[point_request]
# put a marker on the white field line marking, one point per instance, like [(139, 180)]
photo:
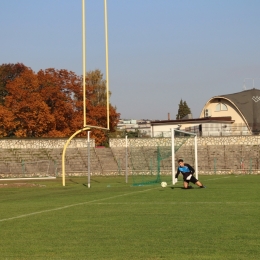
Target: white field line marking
[(83, 203), (218, 178), (180, 182), (72, 205), (181, 202), (26, 179), (212, 179)]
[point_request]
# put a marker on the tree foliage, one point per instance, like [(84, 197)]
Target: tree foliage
[(183, 110), (8, 72), (50, 103)]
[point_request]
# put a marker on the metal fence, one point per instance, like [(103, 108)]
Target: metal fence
[(216, 129)]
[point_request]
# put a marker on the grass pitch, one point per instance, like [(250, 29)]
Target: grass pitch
[(114, 220)]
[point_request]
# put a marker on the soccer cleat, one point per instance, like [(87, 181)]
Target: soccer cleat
[(202, 186)]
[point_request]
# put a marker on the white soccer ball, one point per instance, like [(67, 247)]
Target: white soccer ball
[(164, 184)]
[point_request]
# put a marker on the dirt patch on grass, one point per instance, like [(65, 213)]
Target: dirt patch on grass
[(19, 185)]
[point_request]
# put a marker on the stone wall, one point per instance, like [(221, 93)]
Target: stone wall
[(209, 140), (216, 155), (51, 143), (6, 143)]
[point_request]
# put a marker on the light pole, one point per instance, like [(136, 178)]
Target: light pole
[(253, 80)]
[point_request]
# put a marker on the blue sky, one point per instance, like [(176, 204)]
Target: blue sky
[(159, 50)]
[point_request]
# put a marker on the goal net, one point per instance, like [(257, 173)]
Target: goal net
[(184, 146), (145, 165), (154, 164), (30, 169)]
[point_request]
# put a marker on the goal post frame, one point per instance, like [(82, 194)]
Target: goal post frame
[(85, 126), (173, 130), (84, 66)]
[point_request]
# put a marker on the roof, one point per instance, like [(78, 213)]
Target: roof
[(195, 120), (248, 102)]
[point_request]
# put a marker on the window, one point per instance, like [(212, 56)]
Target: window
[(221, 107)]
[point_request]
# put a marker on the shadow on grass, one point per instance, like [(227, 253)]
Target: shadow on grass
[(73, 181), (182, 188)]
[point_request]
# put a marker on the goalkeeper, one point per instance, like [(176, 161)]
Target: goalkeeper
[(187, 172)]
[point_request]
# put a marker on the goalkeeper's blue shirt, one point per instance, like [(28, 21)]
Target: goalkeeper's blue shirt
[(186, 170)]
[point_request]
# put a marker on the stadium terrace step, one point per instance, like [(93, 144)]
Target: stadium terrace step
[(211, 158), (107, 159)]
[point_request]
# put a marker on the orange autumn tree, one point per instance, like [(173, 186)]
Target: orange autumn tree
[(32, 117), (7, 122), (96, 108), (58, 89), (49, 104), (8, 72), (63, 93)]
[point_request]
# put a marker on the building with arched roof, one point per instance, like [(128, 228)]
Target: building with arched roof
[(223, 115), (243, 107)]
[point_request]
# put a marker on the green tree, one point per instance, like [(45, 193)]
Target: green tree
[(133, 134), (183, 110)]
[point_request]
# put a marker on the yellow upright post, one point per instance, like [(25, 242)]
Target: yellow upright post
[(84, 62), (85, 126), (107, 72), (64, 152)]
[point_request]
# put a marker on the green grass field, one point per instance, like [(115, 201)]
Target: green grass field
[(114, 220)]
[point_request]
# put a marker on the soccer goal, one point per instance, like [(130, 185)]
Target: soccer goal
[(30, 169), (154, 163), (184, 146)]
